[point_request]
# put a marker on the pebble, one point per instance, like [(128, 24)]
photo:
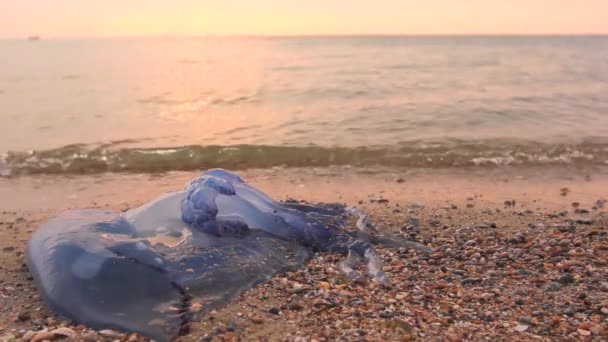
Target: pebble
[(109, 333), (583, 332), (604, 286), (566, 279), (468, 281), (257, 320), (43, 336), (28, 335), (417, 205), (89, 337), (324, 285), (66, 332), (24, 316), (553, 287), (521, 328), (7, 338), (510, 203)]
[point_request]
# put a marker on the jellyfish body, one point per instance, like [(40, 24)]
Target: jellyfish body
[(156, 268)]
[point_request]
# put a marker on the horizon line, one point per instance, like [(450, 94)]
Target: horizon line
[(321, 35)]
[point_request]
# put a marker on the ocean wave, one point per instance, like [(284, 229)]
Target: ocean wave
[(82, 159)]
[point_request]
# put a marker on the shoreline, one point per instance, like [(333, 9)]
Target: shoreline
[(507, 284), (315, 184)]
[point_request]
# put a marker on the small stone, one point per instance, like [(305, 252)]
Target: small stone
[(324, 285), (417, 205), (24, 316), (257, 320), (7, 338), (521, 328), (566, 279), (604, 286), (526, 320), (109, 333), (295, 307), (399, 180), (275, 311), (604, 311), (553, 287), (469, 281), (583, 332), (28, 336), (43, 336), (65, 332), (523, 272)]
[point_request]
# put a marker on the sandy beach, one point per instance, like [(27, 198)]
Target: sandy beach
[(518, 254), (435, 171)]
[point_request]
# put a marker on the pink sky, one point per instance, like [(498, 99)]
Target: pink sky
[(94, 18)]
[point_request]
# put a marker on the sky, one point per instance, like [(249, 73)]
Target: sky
[(110, 18)]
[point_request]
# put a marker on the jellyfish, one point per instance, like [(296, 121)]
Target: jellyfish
[(157, 268)]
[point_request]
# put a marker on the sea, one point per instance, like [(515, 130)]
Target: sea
[(186, 103)]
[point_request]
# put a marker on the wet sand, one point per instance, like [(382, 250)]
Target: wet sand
[(519, 254)]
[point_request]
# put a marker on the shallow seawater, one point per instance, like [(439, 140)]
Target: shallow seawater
[(201, 95)]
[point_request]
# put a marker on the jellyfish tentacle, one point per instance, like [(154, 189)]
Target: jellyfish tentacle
[(347, 266), (362, 251), (374, 266)]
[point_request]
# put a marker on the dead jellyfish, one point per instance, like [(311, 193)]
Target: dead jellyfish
[(156, 268)]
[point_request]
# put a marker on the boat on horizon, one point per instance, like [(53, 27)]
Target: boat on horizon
[(33, 38)]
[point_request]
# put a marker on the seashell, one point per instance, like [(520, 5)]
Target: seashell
[(43, 335), (63, 331)]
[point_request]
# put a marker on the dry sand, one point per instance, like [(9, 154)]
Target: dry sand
[(533, 270)]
